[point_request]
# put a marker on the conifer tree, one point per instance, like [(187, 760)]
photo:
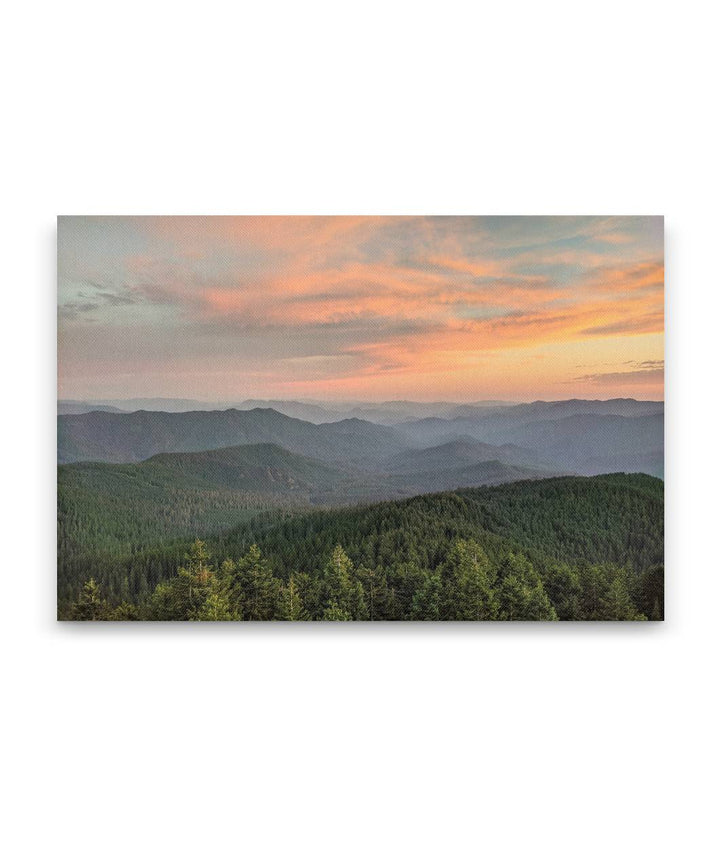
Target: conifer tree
[(192, 584), (229, 584), (374, 583), (162, 605), (337, 576), (616, 603), (407, 578), (593, 586), (521, 596), (562, 584), (292, 608), (471, 571), (342, 588), (260, 590), (182, 597), (334, 612), (426, 602), (125, 612), (215, 608), (90, 605), (649, 592)]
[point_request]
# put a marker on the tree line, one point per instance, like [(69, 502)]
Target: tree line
[(466, 586), (590, 541)]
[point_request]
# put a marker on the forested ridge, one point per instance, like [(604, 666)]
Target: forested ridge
[(398, 506), (564, 548)]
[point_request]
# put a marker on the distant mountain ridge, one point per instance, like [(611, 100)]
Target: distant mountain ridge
[(259, 468), (128, 437), (266, 468), (72, 408), (585, 437), (459, 452), (383, 413), (588, 438)]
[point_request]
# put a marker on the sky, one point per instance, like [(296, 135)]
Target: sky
[(360, 308)]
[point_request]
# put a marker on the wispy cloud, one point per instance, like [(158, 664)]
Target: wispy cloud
[(404, 297), (643, 372)]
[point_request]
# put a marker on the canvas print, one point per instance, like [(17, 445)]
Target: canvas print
[(360, 418)]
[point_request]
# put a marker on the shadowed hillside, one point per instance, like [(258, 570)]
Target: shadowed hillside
[(568, 548), (128, 437)]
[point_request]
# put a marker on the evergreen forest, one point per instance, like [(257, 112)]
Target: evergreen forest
[(178, 549)]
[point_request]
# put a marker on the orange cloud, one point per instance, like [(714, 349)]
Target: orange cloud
[(400, 298)]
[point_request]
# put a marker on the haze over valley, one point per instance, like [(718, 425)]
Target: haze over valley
[(575, 436)]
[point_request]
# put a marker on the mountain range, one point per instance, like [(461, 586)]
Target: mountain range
[(382, 413), (585, 437), (129, 437), (135, 487)]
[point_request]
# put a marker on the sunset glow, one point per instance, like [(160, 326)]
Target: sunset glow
[(372, 308)]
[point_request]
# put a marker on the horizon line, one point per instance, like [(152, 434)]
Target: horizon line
[(344, 401)]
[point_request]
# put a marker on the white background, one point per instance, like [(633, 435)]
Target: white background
[(345, 739)]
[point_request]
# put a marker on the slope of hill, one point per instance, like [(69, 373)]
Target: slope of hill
[(596, 545), (259, 468), (73, 408), (461, 452), (129, 437), (491, 472), (587, 443), (572, 548), (108, 512), (590, 444), (614, 518), (121, 506), (296, 409), (180, 493)]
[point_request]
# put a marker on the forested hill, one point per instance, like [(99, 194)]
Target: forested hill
[(106, 511), (568, 548), (129, 437), (615, 518)]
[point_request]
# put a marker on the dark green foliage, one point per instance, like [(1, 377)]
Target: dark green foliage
[(125, 612), (255, 588), (521, 595), (128, 525), (467, 592), (426, 600), (291, 608), (566, 548), (111, 514), (649, 592), (216, 607), (605, 594), (334, 612), (341, 589), (184, 596), (90, 605), (616, 604)]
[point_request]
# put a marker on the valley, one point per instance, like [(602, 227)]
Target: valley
[(137, 489)]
